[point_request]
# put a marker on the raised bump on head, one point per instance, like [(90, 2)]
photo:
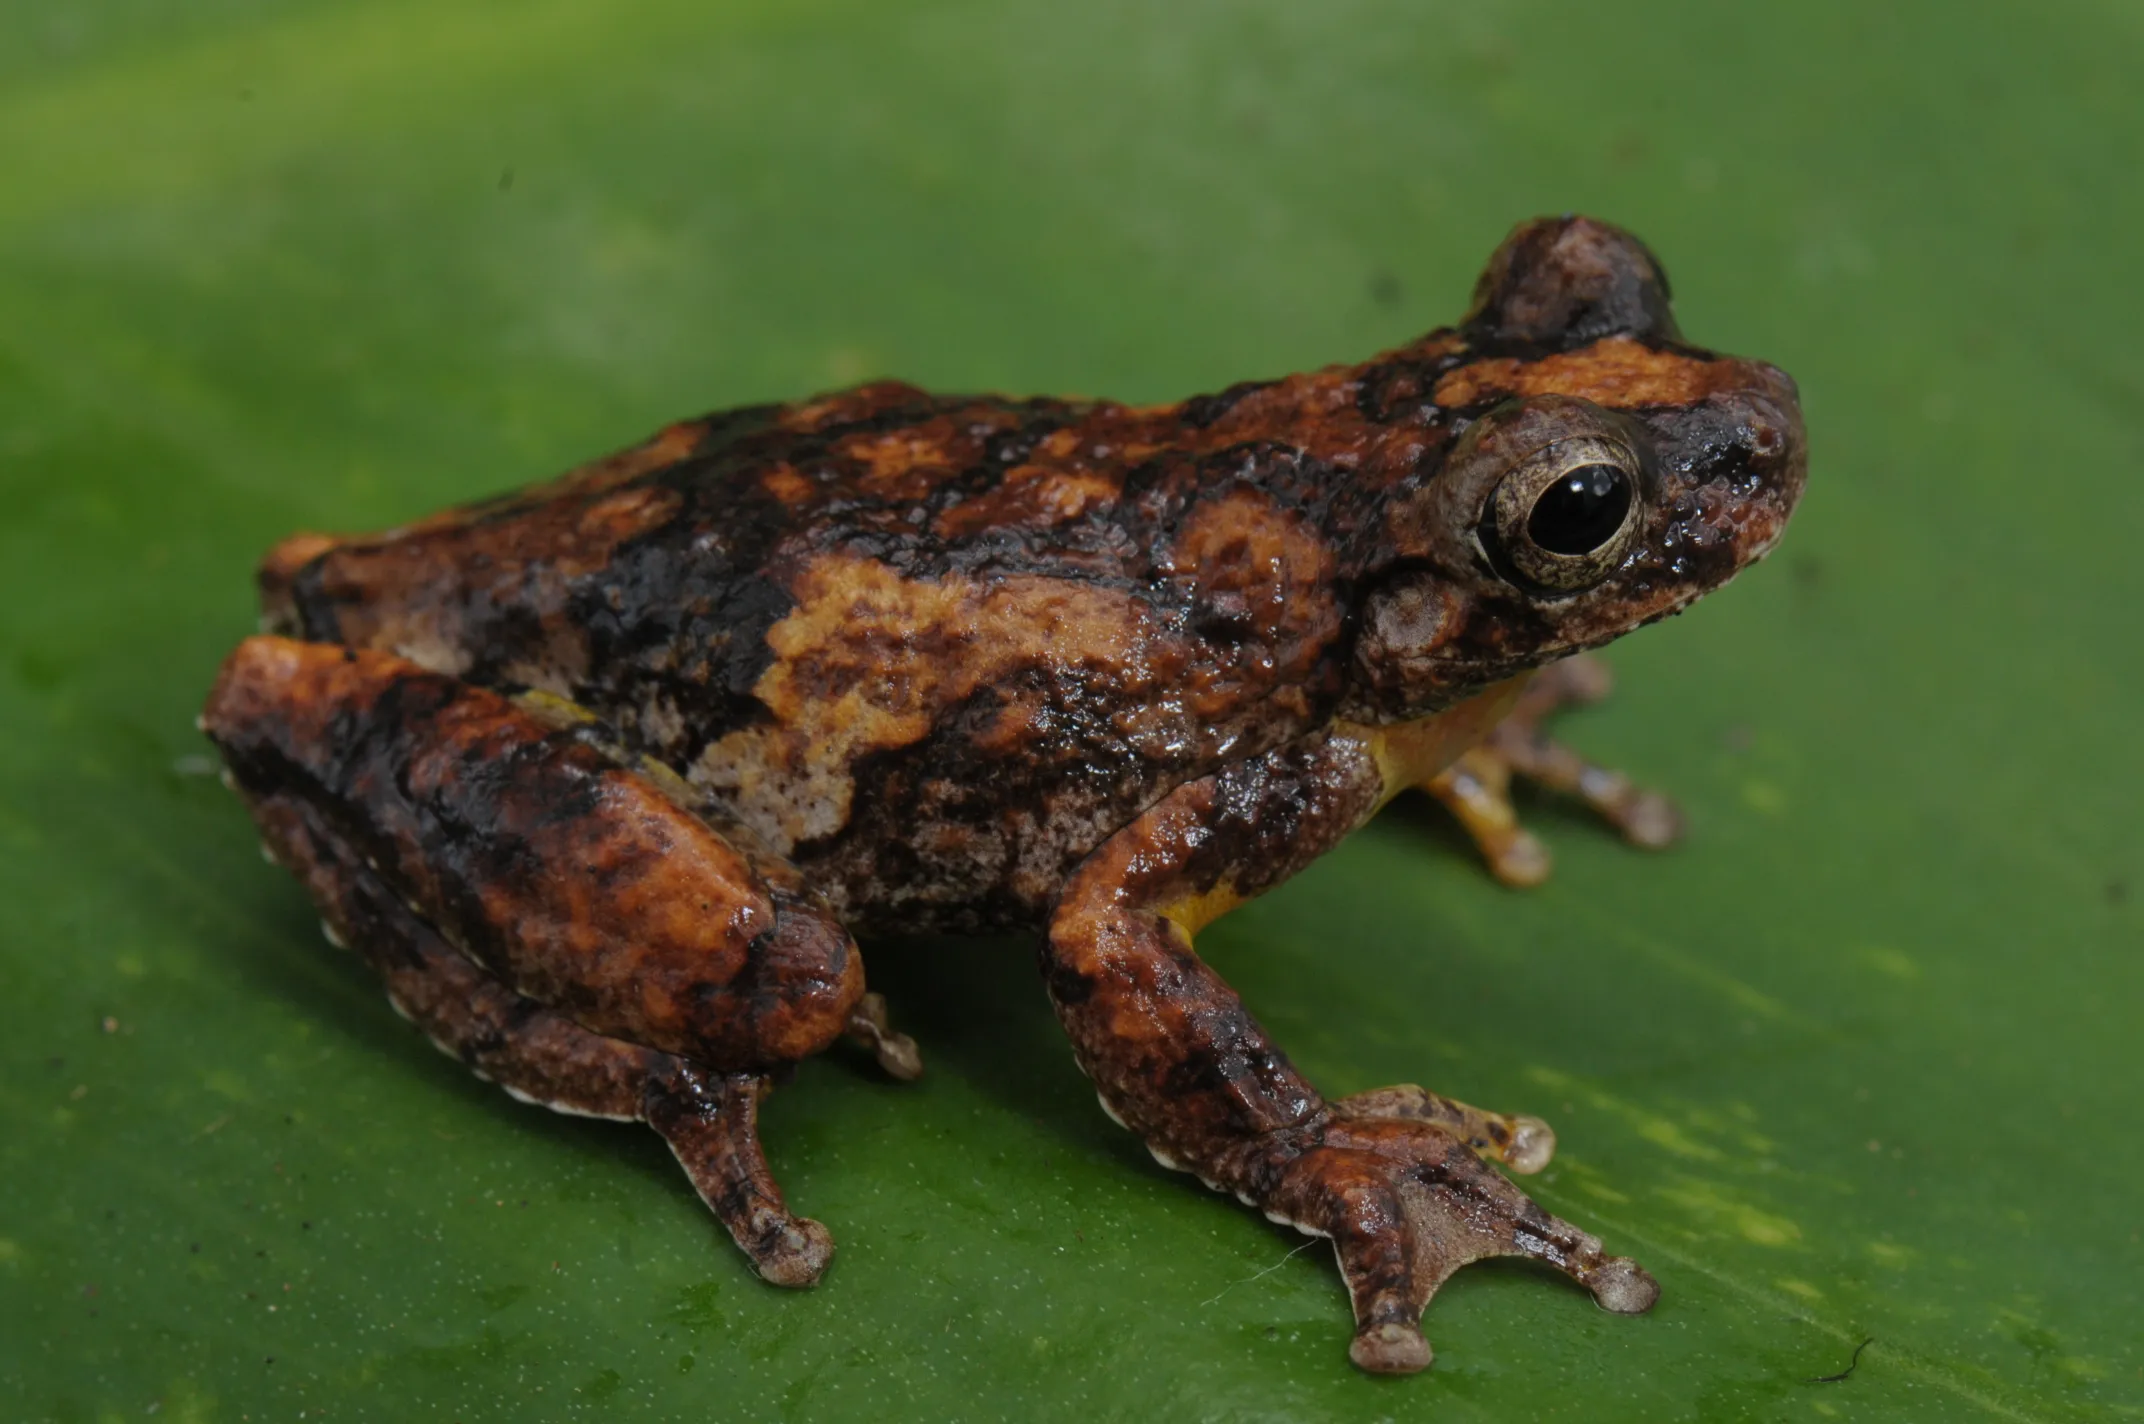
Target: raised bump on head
[(1570, 281)]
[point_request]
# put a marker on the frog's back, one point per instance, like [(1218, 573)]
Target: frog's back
[(928, 646)]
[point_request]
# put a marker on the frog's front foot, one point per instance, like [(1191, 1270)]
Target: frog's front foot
[(1477, 786), (1406, 1202)]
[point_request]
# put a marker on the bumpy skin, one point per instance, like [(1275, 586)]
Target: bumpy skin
[(633, 748)]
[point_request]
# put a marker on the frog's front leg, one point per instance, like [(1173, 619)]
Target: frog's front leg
[(561, 923), (1476, 786), (1392, 1177)]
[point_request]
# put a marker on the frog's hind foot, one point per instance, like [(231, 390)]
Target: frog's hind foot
[(869, 1028), (1476, 787), (1407, 1202), (710, 1120)]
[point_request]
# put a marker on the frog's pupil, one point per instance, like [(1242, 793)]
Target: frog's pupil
[(1581, 510)]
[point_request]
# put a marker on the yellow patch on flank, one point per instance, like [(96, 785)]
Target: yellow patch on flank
[(1411, 753), (1194, 912), (1797, 1287)]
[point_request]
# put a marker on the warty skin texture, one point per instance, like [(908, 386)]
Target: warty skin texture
[(885, 660)]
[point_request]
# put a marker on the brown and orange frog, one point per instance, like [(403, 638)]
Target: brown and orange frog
[(602, 776)]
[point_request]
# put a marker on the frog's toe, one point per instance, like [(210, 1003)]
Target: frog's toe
[(869, 1027), (1533, 1143), (1519, 1141), (1517, 859), (1648, 819), (711, 1121), (1623, 1286), (1518, 747), (1476, 789), (1407, 1203), (795, 1253), (1391, 1349)]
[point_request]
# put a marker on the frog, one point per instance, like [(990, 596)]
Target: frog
[(606, 777)]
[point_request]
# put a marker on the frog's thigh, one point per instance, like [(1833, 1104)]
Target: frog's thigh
[(708, 1119), (575, 881)]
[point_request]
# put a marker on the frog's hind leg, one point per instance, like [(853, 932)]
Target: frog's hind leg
[(708, 1119), (1476, 787), (711, 1121), (557, 921)]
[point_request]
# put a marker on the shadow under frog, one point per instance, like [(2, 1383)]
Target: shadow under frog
[(602, 776)]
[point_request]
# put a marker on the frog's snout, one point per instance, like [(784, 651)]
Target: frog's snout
[(1776, 461), (1754, 468)]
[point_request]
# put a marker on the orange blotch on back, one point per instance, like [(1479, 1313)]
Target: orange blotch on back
[(786, 485), (1615, 372), (869, 661), (1254, 560), (1031, 496)]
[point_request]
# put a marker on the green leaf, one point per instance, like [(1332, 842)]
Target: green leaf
[(1860, 1061)]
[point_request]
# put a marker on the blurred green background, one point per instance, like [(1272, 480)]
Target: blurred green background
[(1861, 1060)]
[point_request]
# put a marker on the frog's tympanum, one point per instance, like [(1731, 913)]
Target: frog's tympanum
[(602, 776)]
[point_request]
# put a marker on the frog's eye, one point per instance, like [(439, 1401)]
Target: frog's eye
[(1565, 516)]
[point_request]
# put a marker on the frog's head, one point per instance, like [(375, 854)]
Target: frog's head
[(1603, 474)]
